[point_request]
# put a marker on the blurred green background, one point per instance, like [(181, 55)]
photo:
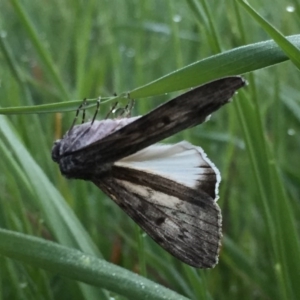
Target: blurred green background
[(60, 51)]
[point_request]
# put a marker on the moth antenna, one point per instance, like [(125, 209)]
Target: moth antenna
[(77, 113), (97, 110), (112, 110)]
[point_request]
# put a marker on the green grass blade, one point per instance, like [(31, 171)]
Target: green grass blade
[(36, 41), (287, 47), (77, 265), (275, 204), (56, 51), (61, 219), (232, 62)]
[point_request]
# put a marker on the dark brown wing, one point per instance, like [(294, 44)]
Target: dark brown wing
[(187, 110), (184, 221)]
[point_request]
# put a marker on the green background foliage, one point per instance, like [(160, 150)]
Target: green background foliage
[(66, 239)]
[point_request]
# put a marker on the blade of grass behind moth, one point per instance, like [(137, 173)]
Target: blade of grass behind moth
[(260, 167), (82, 44), (197, 281), (282, 234), (287, 47), (141, 249), (39, 47), (203, 14), (240, 263), (59, 217)]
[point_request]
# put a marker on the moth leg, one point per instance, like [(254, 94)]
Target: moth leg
[(84, 102), (125, 112), (119, 112), (112, 110), (128, 108), (97, 110)]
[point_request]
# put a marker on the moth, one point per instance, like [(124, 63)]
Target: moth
[(170, 191)]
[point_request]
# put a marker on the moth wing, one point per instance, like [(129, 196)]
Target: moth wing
[(187, 110), (175, 206), (183, 163)]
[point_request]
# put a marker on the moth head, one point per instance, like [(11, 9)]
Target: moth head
[(55, 152), (76, 138)]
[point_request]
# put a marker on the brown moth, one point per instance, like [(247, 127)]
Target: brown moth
[(168, 190)]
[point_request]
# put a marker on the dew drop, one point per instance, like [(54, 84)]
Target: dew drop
[(23, 285), (3, 34), (290, 8), (177, 18), (291, 131), (130, 52)]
